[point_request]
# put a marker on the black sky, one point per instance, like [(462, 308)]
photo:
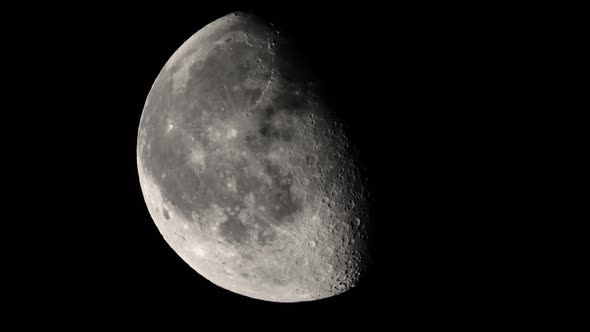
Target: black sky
[(472, 123)]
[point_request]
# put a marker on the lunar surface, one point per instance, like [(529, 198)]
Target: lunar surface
[(247, 173)]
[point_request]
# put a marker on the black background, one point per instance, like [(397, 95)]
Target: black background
[(472, 123)]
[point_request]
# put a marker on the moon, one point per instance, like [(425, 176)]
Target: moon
[(245, 170)]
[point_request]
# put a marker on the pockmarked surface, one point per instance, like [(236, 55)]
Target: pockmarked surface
[(246, 172)]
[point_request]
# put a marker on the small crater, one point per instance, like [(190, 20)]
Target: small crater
[(345, 240), (357, 222), (165, 213), (331, 204), (311, 160), (351, 205)]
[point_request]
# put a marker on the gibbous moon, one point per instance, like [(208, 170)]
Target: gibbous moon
[(247, 172)]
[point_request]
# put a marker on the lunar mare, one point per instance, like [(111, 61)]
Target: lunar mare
[(246, 172)]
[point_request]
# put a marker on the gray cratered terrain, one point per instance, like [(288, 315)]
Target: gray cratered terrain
[(246, 172)]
